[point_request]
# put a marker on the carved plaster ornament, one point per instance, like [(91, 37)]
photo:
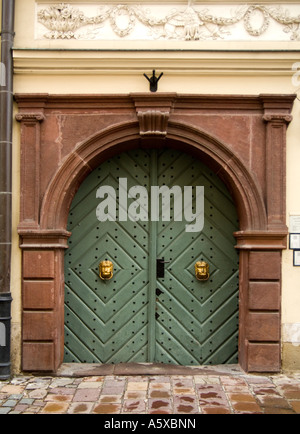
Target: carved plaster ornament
[(191, 23)]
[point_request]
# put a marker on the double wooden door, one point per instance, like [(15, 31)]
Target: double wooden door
[(153, 309)]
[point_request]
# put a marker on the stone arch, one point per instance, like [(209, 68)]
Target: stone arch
[(153, 120), (89, 154)]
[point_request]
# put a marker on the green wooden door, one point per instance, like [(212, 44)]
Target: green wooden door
[(141, 315)]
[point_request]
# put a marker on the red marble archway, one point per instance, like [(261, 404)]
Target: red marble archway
[(237, 136), (88, 155)]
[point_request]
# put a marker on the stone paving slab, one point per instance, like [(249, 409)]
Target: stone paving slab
[(89, 369), (225, 390)]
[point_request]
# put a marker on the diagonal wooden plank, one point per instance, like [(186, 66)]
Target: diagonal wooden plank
[(212, 302), (112, 315), (191, 313), (169, 347)]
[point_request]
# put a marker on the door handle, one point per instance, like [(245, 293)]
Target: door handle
[(106, 269), (160, 267), (202, 270)]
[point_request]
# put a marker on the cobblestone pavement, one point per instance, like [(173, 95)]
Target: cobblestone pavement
[(207, 393)]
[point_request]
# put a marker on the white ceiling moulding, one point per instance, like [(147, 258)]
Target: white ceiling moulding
[(187, 21)]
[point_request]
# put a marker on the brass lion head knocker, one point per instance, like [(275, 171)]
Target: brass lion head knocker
[(106, 269), (202, 270)]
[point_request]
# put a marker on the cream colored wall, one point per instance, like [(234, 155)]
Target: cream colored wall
[(291, 275), (16, 257), (260, 70)]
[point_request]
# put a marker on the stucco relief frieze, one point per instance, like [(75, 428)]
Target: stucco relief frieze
[(162, 21)]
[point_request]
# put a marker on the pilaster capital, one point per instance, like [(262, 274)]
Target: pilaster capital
[(30, 117), (262, 240), (43, 238), (277, 118)]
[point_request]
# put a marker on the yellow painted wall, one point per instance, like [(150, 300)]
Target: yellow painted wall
[(261, 70)]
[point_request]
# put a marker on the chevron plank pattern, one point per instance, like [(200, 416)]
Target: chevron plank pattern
[(108, 322), (198, 321)]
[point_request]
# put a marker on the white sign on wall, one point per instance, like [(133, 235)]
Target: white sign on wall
[(295, 224), (295, 238), (295, 241), (296, 258)]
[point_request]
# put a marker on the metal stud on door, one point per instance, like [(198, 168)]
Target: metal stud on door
[(153, 307)]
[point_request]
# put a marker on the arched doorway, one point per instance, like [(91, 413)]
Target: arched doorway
[(238, 137), (153, 213)]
